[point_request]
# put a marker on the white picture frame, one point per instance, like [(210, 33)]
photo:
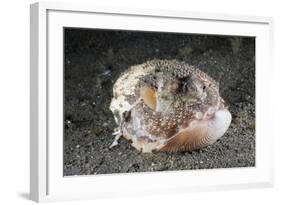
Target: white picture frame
[(46, 178)]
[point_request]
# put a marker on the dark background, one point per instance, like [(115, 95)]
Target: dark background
[(93, 60)]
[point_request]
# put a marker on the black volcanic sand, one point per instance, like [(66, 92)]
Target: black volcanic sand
[(93, 61)]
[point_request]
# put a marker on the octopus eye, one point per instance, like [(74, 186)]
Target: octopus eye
[(185, 87), (149, 97), (204, 87)]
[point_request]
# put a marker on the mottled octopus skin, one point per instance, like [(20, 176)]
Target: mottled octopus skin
[(167, 105)]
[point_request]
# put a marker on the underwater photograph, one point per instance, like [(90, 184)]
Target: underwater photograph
[(138, 101)]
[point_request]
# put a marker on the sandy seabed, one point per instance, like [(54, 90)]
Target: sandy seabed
[(94, 59)]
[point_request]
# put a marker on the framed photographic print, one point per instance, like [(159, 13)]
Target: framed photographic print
[(128, 101)]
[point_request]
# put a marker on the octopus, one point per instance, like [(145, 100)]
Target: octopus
[(168, 105)]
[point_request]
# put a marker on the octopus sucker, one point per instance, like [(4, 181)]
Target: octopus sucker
[(168, 105)]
